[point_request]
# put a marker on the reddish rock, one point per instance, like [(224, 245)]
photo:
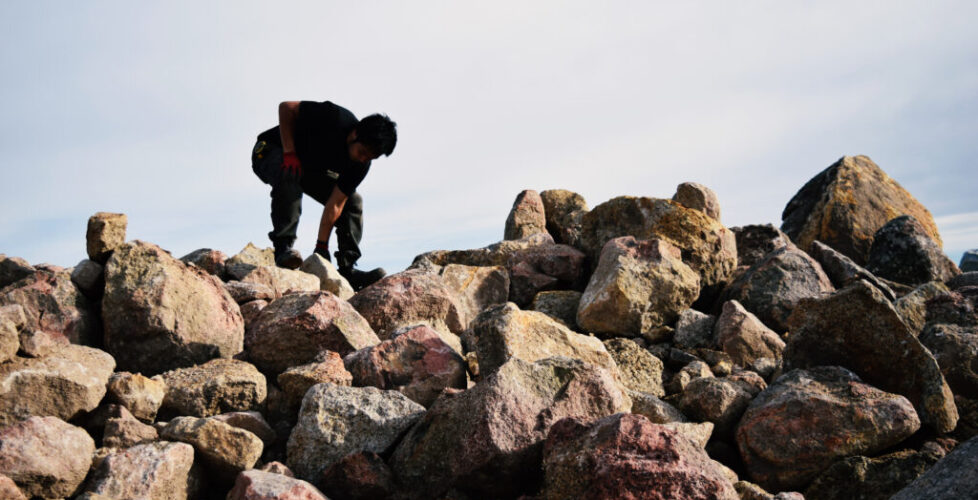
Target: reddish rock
[(544, 267), (955, 307), (292, 330), (281, 281), (407, 299), (207, 259), (807, 419), (417, 363), (243, 292), (251, 310), (260, 485), (698, 197), (126, 432), (526, 217), (54, 308), (744, 337), (9, 489), (359, 476), (859, 329), (45, 456), (845, 204), (106, 232), (160, 313), (486, 441), (772, 287), (627, 456), (160, 470)]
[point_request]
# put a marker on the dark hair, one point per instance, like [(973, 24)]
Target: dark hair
[(378, 133)]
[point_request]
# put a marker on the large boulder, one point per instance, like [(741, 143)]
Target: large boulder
[(956, 349), (868, 478), (336, 421), (505, 332), (487, 441), (951, 477), (807, 419), (259, 485), (476, 288), (698, 197), (526, 217), (53, 308), (859, 329), (744, 337), (773, 286), (154, 471), (106, 232), (755, 241), (903, 251), (627, 456), (223, 449), (215, 387), (63, 384), (292, 330), (416, 363), (637, 287), (707, 247), (45, 456), (407, 299), (160, 313), (694, 329), (845, 204), (563, 210)]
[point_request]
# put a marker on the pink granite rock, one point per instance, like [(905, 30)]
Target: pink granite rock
[(260, 485), (526, 217), (54, 309), (45, 456), (156, 471)]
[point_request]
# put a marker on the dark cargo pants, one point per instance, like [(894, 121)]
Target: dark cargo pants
[(266, 162)]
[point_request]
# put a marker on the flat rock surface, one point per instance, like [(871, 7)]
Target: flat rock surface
[(626, 456), (844, 205), (45, 456), (951, 477), (156, 471), (476, 288), (807, 419), (859, 329), (638, 369), (160, 313), (292, 330), (336, 421)]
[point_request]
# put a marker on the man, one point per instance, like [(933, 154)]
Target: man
[(322, 150)]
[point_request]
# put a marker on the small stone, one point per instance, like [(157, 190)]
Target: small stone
[(106, 232), (126, 432), (756, 241), (207, 259), (260, 485), (89, 277), (654, 409), (913, 306), (277, 468), (563, 210), (140, 395), (716, 400), (359, 476), (281, 281), (223, 449), (476, 288), (694, 329), (327, 368), (698, 197), (243, 293), (251, 310), (253, 256), (692, 371), (697, 432), (251, 421), (330, 279), (526, 217)]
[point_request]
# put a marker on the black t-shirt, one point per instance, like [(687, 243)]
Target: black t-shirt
[(321, 129)]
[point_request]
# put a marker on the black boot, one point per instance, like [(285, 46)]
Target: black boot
[(361, 279), (289, 258)]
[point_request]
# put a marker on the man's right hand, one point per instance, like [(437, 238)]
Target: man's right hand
[(291, 166)]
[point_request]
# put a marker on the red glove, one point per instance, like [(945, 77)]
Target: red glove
[(291, 166)]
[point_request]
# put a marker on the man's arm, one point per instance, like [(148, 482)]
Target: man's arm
[(288, 111), (331, 212)]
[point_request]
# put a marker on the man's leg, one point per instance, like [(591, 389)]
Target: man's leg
[(286, 198), (349, 231)]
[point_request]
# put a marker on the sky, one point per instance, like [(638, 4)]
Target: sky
[(151, 109)]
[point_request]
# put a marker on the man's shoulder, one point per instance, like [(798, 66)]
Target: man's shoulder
[(326, 110)]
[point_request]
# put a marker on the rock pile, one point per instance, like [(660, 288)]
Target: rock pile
[(636, 349)]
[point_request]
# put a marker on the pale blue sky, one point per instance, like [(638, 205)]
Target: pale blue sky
[(151, 109)]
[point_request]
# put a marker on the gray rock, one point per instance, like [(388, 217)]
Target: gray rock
[(563, 210), (692, 371), (89, 277), (13, 269), (962, 280), (638, 286), (336, 421), (694, 329), (251, 421), (969, 261), (161, 314), (526, 217), (951, 477), (215, 387), (904, 252), (716, 400), (868, 478), (45, 456), (755, 241), (655, 409), (156, 471), (63, 384), (773, 286), (842, 271), (560, 305), (837, 414), (330, 279), (698, 197), (955, 348), (106, 232), (859, 329)]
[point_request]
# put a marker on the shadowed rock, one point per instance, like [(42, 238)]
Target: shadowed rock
[(755, 241), (526, 217), (903, 251), (951, 477)]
